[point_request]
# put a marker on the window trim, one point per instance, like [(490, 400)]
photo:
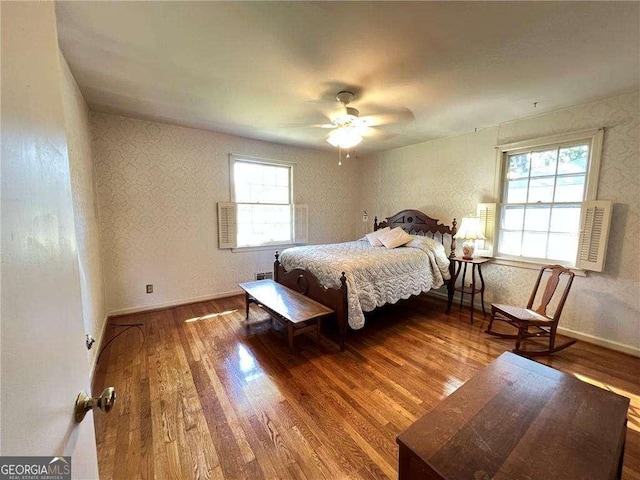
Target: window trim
[(595, 139), (233, 158), (261, 248)]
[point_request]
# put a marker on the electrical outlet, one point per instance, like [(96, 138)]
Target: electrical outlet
[(150, 288)]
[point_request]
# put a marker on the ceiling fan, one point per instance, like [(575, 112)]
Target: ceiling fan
[(349, 128)]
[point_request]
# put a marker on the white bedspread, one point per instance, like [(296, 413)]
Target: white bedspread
[(375, 275)]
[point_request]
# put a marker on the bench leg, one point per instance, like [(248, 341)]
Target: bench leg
[(318, 325), (248, 301), (290, 335)]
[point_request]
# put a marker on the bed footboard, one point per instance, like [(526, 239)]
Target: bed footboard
[(307, 284)]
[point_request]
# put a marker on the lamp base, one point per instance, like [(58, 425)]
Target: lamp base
[(467, 250)]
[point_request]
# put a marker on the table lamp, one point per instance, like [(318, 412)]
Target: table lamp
[(469, 232)]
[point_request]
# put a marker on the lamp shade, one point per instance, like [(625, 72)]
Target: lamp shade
[(344, 137), (470, 229)]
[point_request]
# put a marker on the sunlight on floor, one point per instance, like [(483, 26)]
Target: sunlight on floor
[(451, 385), (248, 365), (633, 416), (210, 316)]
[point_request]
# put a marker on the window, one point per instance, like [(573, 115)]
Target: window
[(543, 189), (262, 193), (262, 211)]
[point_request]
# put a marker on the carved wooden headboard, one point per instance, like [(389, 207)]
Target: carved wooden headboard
[(414, 221)]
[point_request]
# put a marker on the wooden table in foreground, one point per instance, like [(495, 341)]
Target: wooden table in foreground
[(516, 420)]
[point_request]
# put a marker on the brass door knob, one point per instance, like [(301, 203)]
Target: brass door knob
[(104, 402)]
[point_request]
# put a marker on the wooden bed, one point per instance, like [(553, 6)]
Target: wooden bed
[(412, 221)]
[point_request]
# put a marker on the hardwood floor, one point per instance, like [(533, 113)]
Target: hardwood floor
[(202, 398)]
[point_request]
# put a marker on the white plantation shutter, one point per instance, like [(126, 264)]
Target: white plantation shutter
[(487, 214), (300, 224), (227, 225), (594, 235)]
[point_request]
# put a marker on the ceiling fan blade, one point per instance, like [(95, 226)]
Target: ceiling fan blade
[(309, 120), (329, 109), (333, 110), (306, 125), (401, 115)]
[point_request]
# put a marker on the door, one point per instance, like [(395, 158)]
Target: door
[(43, 359)]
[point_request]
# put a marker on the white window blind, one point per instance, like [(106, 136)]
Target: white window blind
[(486, 212), (226, 225), (301, 224), (594, 232)]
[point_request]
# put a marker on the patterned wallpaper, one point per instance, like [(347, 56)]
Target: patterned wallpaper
[(157, 189), (447, 178), (76, 116)]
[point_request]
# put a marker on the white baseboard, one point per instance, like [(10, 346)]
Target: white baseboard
[(611, 345), (174, 303)]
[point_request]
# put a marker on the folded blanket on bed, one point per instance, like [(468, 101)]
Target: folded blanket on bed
[(375, 275)]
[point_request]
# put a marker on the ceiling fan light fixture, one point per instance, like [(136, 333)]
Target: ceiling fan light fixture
[(344, 137)]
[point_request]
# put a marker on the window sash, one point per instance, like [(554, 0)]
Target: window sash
[(276, 183), (255, 233), (546, 233), (250, 231)]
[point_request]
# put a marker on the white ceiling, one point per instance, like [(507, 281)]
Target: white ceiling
[(262, 69)]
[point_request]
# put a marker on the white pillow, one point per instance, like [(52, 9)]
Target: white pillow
[(395, 238), (423, 242), (374, 237)]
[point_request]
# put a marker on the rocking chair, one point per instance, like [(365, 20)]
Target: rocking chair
[(537, 320)]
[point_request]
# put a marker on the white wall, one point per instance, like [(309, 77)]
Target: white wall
[(447, 178), (76, 116), (157, 189)]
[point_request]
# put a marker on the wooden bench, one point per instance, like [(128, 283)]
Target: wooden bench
[(299, 314)]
